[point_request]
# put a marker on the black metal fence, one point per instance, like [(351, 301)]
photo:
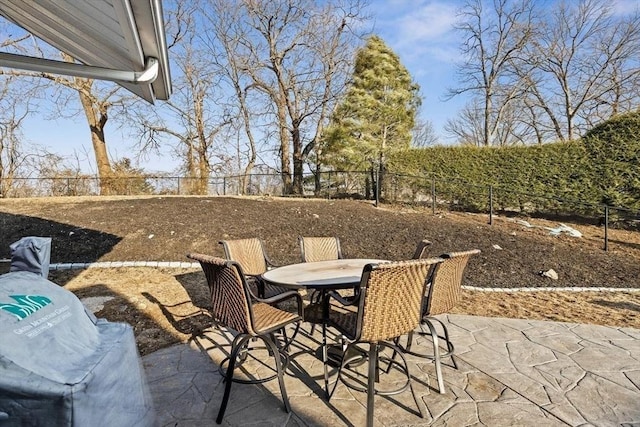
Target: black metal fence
[(430, 192)]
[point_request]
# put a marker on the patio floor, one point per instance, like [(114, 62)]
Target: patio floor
[(510, 372)]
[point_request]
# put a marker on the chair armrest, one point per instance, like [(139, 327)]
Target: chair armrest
[(267, 259), (257, 281), (282, 297), (345, 301)]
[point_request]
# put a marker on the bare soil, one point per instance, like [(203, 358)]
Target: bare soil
[(166, 306)]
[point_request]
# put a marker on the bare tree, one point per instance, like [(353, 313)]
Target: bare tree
[(15, 107), (423, 134), (195, 115), (225, 41), (289, 57), (494, 39), (585, 66), (62, 176), (468, 126), (13, 110), (95, 105), (99, 101)]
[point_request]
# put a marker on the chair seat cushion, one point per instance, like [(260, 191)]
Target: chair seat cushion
[(269, 317)]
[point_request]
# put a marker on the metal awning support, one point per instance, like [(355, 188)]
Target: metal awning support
[(148, 75)]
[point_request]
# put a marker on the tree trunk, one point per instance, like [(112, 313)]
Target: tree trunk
[(192, 174), (105, 173), (297, 160), (486, 136), (97, 117), (317, 182), (374, 184), (203, 178), (244, 182), (203, 161), (382, 168), (284, 148)]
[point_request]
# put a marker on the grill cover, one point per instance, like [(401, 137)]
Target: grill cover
[(59, 365), (31, 254)]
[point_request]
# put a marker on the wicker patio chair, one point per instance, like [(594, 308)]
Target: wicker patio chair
[(389, 305), (443, 293), (314, 249), (319, 248), (253, 259), (232, 306)]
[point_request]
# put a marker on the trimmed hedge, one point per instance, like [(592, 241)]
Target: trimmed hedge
[(614, 148), (575, 177)]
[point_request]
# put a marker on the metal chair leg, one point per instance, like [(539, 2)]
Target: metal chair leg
[(436, 355), (413, 392), (371, 392), (276, 356), (289, 341), (375, 357), (325, 360), (406, 348), (450, 347), (229, 377)]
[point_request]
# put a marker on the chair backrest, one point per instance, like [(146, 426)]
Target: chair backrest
[(422, 249), (391, 298), (230, 301), (446, 283), (319, 248), (249, 253)]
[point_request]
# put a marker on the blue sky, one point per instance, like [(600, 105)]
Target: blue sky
[(419, 31)]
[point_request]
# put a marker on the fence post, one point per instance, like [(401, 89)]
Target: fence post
[(178, 180), (395, 187), (433, 196), (329, 186), (491, 205), (377, 186), (224, 185), (606, 227)]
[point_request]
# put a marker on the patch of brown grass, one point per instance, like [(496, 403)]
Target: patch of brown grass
[(167, 306), (620, 309)]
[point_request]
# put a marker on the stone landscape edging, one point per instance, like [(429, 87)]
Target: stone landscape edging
[(180, 264)]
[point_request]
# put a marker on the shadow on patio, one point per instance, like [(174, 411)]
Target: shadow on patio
[(509, 372)]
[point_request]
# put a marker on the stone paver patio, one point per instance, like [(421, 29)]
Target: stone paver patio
[(510, 372)]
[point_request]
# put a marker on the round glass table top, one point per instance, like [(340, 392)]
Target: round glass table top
[(339, 273)]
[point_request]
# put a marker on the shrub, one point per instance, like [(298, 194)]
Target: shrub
[(613, 148)]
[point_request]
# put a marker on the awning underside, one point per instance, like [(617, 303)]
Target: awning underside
[(117, 40)]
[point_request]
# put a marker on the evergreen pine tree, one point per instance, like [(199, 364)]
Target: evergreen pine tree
[(377, 114)]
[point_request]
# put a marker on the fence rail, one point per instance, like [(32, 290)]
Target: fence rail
[(436, 193)]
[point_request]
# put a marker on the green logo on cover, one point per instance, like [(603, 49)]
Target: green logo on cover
[(25, 305)]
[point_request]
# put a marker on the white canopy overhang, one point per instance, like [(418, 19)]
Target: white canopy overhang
[(117, 40)]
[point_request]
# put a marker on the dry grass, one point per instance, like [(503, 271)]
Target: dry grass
[(165, 306), (600, 308)]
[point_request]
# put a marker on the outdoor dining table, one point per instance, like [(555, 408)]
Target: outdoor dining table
[(322, 276)]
